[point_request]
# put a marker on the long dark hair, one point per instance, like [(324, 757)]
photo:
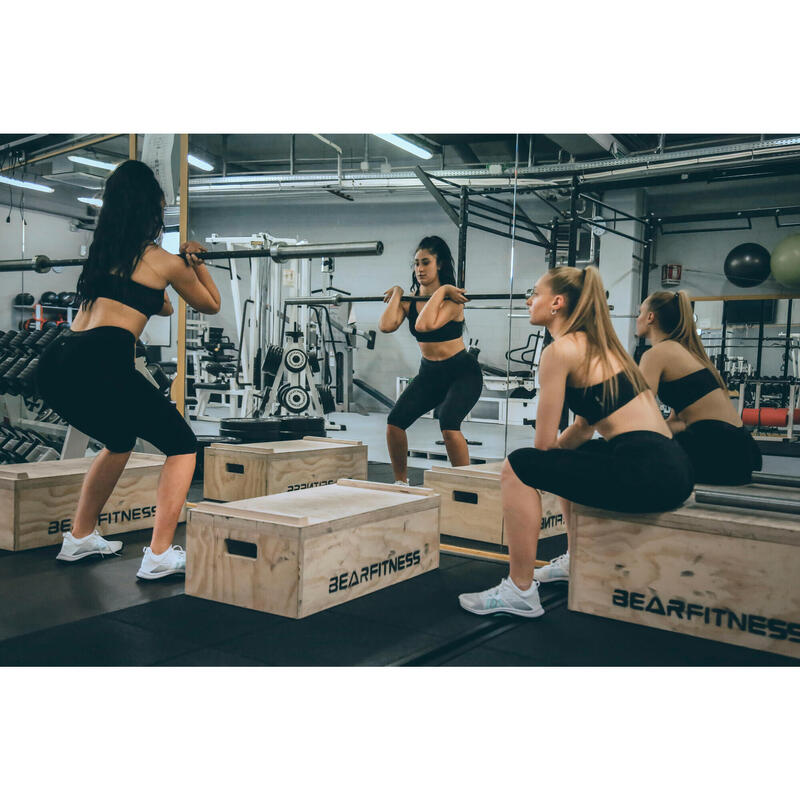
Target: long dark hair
[(444, 261), (130, 220), (675, 316)]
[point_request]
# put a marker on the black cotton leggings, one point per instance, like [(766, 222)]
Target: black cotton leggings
[(89, 378), (454, 385), (635, 472), (721, 454)]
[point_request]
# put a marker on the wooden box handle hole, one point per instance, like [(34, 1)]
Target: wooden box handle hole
[(236, 547), (237, 468), (466, 497)]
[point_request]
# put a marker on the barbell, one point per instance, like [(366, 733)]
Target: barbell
[(277, 252)]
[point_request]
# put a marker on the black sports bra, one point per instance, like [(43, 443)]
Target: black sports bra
[(586, 401), (452, 330), (145, 299), (680, 393)]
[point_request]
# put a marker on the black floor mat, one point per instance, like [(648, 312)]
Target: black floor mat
[(563, 638)]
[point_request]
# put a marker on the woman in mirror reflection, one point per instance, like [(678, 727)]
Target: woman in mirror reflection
[(703, 419), (449, 378)]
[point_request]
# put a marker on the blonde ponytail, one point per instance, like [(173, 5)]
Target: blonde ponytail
[(675, 317), (588, 312)]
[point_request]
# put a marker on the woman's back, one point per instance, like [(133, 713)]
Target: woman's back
[(641, 413), (670, 361)]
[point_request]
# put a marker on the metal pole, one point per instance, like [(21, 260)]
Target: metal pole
[(788, 340), (647, 256), (574, 224), (760, 338), (178, 391), (553, 255), (463, 222)]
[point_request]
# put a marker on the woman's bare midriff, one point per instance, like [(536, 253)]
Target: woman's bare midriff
[(440, 351)]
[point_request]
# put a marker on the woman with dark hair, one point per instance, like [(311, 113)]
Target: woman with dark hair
[(703, 419), (87, 375), (635, 467), (449, 377)]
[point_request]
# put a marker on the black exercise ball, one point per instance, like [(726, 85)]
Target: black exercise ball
[(747, 264)]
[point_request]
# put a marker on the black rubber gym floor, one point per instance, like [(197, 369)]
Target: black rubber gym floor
[(98, 614)]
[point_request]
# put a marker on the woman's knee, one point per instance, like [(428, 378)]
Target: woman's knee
[(452, 435)]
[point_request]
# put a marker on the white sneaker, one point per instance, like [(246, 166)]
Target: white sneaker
[(170, 562), (556, 570), (504, 598), (401, 483), (94, 544)]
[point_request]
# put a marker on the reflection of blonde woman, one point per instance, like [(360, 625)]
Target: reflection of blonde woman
[(635, 467), (703, 419)]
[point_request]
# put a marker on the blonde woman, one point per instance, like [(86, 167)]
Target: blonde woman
[(678, 369), (635, 467)]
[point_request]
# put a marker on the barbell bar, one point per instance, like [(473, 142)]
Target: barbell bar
[(277, 252)]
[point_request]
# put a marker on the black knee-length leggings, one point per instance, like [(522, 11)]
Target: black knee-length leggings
[(454, 385), (89, 378), (721, 454), (635, 472)]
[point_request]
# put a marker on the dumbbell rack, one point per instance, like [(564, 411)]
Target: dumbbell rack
[(71, 310)]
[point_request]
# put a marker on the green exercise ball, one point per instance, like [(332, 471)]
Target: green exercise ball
[(785, 262)]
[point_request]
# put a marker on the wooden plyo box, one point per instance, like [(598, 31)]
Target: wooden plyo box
[(297, 553), (41, 499), (472, 507), (240, 471), (727, 574)]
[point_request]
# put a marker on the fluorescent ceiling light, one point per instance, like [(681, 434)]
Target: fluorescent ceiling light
[(404, 144), (90, 162), (199, 163), (26, 184), (91, 201)]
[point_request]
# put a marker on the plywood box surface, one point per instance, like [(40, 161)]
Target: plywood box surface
[(297, 553), (239, 471), (718, 573), (472, 505), (39, 500)]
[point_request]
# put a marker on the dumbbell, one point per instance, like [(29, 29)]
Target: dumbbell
[(25, 381), (9, 383)]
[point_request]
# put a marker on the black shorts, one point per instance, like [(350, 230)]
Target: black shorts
[(89, 378), (636, 472), (454, 385), (720, 453)]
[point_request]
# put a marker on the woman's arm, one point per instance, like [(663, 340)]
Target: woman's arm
[(553, 372), (438, 311), (392, 318), (675, 423), (575, 435), (190, 278), (651, 367), (166, 309)]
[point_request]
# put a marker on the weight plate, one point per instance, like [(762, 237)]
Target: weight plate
[(272, 360), (295, 359), (296, 399), (326, 398), (236, 425), (302, 423)]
